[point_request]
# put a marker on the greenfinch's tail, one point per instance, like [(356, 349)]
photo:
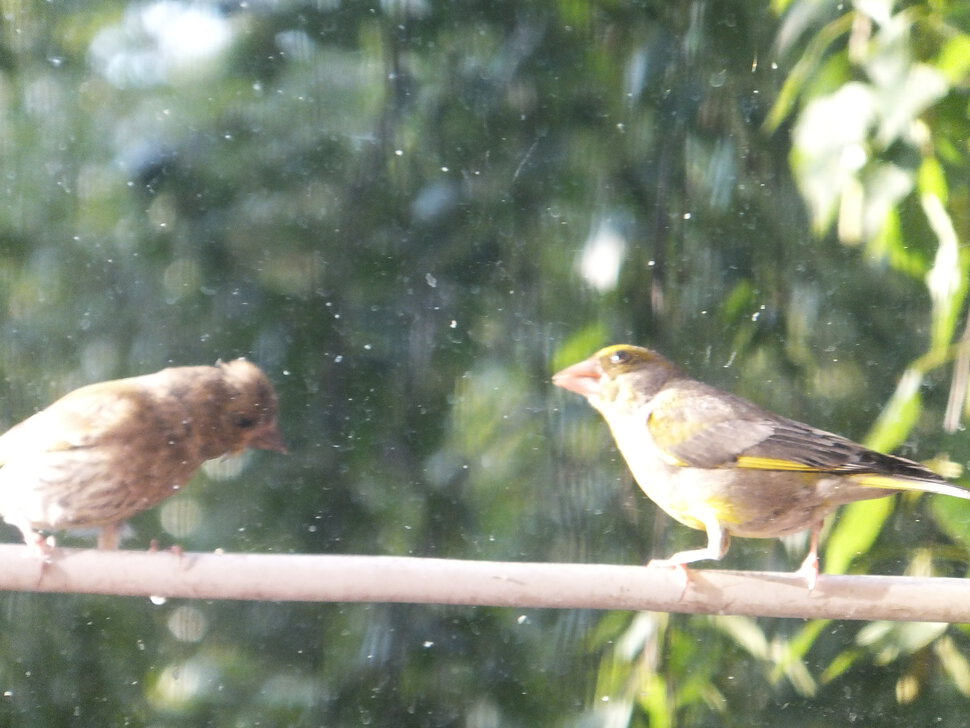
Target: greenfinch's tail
[(872, 480), (908, 476)]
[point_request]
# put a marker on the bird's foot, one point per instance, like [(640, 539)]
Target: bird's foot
[(177, 551), (682, 572), (809, 571), (41, 549), (39, 546)]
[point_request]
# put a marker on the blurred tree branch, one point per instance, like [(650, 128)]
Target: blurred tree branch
[(327, 578)]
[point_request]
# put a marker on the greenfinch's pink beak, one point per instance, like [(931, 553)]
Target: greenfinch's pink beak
[(582, 378)]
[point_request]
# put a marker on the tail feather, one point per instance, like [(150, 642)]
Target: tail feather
[(889, 482)]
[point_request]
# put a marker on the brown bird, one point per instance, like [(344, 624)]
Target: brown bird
[(110, 450)]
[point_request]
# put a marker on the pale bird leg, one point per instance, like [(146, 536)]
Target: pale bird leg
[(109, 536), (809, 568), (718, 542)]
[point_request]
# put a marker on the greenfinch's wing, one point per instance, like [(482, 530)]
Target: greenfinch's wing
[(800, 447), (797, 447), (699, 426), (694, 425)]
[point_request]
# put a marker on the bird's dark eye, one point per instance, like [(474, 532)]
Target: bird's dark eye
[(620, 356), (244, 423)]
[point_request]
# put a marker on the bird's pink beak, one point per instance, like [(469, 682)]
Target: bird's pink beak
[(583, 378)]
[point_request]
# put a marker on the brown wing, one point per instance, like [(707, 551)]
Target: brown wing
[(79, 419)]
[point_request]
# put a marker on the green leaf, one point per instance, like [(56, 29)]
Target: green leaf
[(580, 345), (954, 59), (806, 69), (947, 280), (900, 414), (952, 515), (931, 179), (857, 529), (889, 243)]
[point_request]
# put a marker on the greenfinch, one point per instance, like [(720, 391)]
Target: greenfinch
[(110, 450), (723, 465)]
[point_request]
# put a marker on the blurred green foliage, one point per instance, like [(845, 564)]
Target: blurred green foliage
[(411, 214)]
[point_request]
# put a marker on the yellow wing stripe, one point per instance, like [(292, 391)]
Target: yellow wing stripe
[(871, 480), (755, 463)]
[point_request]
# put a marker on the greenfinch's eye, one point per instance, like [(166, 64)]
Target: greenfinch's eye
[(621, 356)]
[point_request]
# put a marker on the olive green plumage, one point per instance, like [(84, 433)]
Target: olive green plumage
[(721, 464)]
